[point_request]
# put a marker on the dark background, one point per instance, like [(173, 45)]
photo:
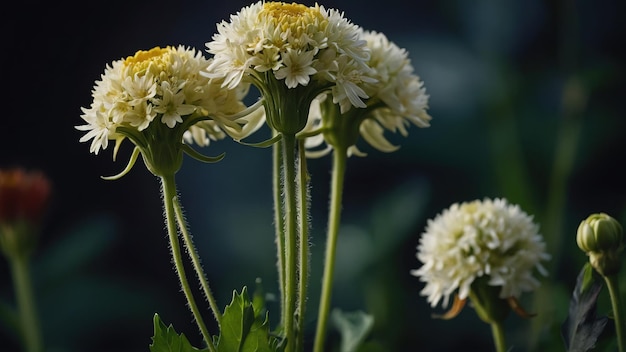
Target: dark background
[(527, 99)]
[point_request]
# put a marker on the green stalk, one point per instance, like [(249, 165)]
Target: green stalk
[(26, 303), (279, 221), (168, 185), (491, 309), (291, 230), (497, 332), (612, 283), (334, 216), (193, 254), (303, 243)]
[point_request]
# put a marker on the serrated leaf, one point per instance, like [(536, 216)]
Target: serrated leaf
[(241, 330), (353, 327), (582, 328), (166, 339)]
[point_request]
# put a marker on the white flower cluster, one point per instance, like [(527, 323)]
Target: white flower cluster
[(481, 238), (162, 85), (266, 44), (294, 43), (397, 98), (397, 86)]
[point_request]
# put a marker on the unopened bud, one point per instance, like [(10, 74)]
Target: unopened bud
[(23, 200), (601, 237)]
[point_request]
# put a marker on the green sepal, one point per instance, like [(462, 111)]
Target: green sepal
[(166, 339), (587, 278), (241, 330), (308, 134), (192, 120), (134, 135), (201, 157), (129, 166), (264, 144)]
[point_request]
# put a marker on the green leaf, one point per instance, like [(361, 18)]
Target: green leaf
[(258, 298), (582, 328), (353, 327), (241, 329), (166, 339)]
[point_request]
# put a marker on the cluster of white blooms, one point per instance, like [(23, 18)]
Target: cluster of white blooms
[(295, 43), (278, 47), (162, 85), (397, 98), (489, 238)]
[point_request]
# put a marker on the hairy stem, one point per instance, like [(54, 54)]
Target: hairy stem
[(279, 222), (168, 185), (334, 216), (291, 230), (303, 243), (193, 254)]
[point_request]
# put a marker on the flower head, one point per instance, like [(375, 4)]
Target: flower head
[(490, 240), (155, 93), (24, 197), (291, 52), (396, 99)]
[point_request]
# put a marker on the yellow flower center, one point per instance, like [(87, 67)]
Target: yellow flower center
[(156, 59), (294, 19)]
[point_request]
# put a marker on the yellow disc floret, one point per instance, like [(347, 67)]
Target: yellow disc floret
[(158, 58), (293, 20)]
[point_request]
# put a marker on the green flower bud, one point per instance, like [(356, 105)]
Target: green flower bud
[(601, 237)]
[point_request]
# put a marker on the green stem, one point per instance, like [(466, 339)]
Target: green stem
[(193, 254), (26, 303), (279, 222), (291, 229), (612, 283), (168, 185), (303, 243), (497, 331), (334, 216)]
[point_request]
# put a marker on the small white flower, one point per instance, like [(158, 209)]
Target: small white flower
[(297, 68), (171, 106), (489, 238), (99, 128), (347, 91), (139, 88)]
